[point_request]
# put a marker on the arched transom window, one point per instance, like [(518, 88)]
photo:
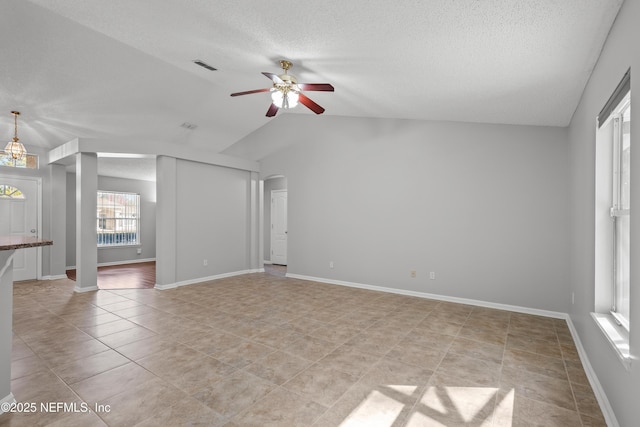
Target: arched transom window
[(9, 192)]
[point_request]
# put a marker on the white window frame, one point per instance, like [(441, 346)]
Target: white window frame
[(608, 156), (618, 211), (132, 224)]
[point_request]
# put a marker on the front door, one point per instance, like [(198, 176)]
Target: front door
[(19, 213), (279, 227)]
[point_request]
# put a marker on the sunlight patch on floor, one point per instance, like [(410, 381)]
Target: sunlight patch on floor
[(438, 406)]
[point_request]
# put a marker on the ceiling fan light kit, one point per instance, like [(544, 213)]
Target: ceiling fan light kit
[(287, 93)]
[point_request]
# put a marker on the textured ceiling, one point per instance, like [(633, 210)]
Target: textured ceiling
[(92, 68)]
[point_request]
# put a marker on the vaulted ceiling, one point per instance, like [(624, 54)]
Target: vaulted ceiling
[(122, 68)]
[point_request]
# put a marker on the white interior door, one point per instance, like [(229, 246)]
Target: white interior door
[(279, 227), (19, 213)]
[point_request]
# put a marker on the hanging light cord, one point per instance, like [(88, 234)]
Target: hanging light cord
[(15, 125)]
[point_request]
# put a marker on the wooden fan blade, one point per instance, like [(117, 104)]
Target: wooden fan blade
[(310, 104), (325, 87), (273, 109), (251, 91), (273, 77)]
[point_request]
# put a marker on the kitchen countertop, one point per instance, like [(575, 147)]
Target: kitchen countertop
[(8, 243)]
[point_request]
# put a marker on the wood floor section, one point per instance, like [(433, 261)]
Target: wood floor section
[(141, 275)]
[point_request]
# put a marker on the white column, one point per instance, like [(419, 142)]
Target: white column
[(58, 222), (6, 310), (254, 223), (166, 222), (86, 234)]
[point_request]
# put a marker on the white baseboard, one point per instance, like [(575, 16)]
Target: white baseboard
[(10, 399), (130, 261), (266, 261), (106, 264), (206, 279), (54, 277), (515, 308), (88, 289), (601, 397)]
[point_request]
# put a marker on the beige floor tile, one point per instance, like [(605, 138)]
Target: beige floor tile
[(310, 348), (533, 345), (392, 372), (27, 366), (235, 393), (81, 369), (371, 405), (593, 421), (441, 326), (418, 355), (278, 337), (206, 373), (278, 367), (475, 372), (62, 354), (281, 408), (349, 360), (31, 387), (454, 406), (215, 341), (140, 402), (244, 354), (19, 349), (134, 311), (586, 400), (338, 334), (484, 335), (478, 350), (383, 359), (369, 344), (576, 373), (185, 412), (538, 387), (429, 339), (106, 384), (145, 347), (109, 328), (321, 383), (172, 362), (513, 409), (127, 336), (536, 363)]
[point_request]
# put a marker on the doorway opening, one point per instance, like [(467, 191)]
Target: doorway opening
[(276, 225)]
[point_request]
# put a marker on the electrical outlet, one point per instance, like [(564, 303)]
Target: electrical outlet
[(432, 275), (139, 251), (330, 264), (205, 262), (413, 274)]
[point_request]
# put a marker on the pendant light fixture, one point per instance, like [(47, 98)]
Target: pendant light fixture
[(14, 148)]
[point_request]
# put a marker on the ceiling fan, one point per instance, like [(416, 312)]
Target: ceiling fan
[(287, 92)]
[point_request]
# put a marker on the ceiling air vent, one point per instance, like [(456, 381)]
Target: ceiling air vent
[(188, 125), (204, 65)]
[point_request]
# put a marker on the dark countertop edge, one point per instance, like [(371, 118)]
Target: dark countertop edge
[(22, 245)]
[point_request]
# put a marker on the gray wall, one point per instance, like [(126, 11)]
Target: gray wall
[(147, 191), (482, 206), (212, 218), (620, 52), (270, 185)]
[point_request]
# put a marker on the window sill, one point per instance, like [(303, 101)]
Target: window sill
[(119, 246), (617, 336)]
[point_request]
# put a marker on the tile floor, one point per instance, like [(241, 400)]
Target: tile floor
[(259, 350)]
